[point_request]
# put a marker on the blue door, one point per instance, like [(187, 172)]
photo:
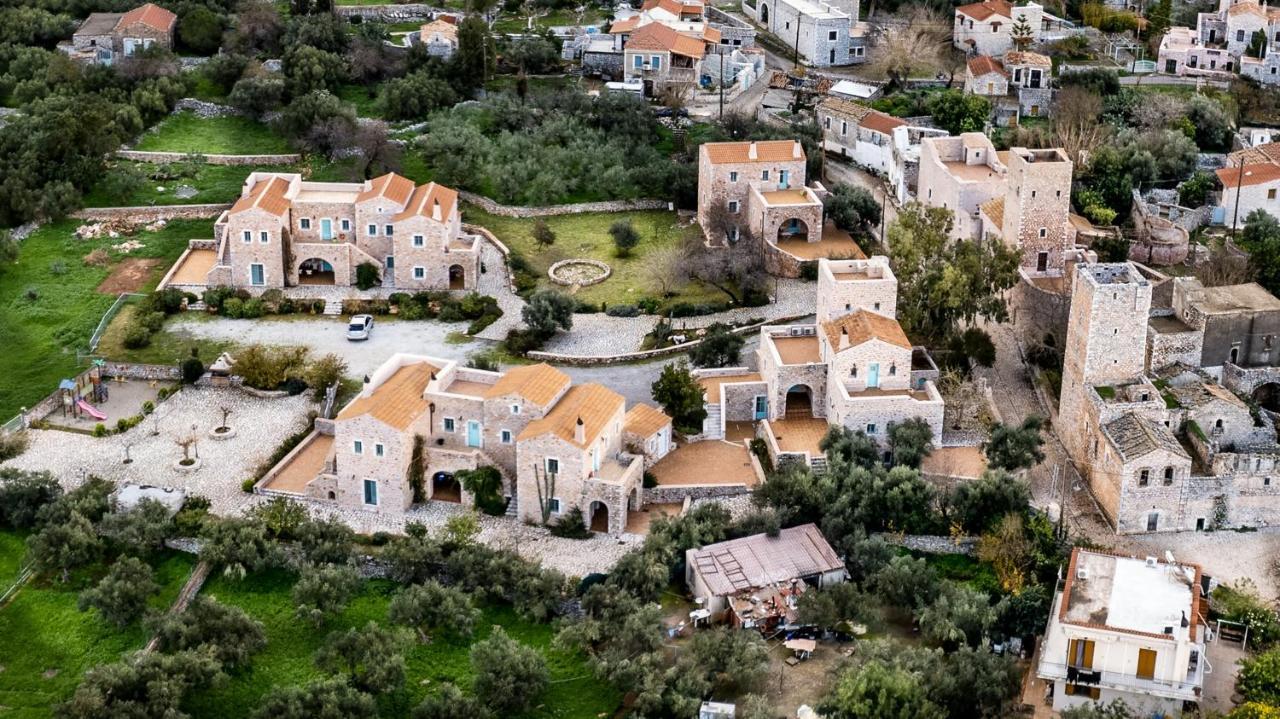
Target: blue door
[(473, 433), (326, 230), (873, 375), (762, 407), (256, 275), (783, 178)]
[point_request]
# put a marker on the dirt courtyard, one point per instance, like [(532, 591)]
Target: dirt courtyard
[(788, 687), (130, 275)]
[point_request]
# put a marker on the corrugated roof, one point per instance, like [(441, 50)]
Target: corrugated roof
[(862, 326), (397, 401), (1255, 174), (267, 195), (425, 199), (1135, 436), (987, 8), (645, 420), (765, 151), (656, 36), (391, 186), (538, 383), (741, 565), (150, 15), (994, 210), (591, 404), (984, 65)]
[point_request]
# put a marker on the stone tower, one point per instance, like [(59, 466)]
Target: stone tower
[(1037, 202), (1106, 341), (846, 286)]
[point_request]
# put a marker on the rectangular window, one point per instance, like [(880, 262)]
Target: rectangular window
[(831, 35), (247, 236), (553, 465), (733, 177), (357, 447), (554, 504), (733, 206), (515, 409), (764, 175), (1144, 478), (370, 492), (418, 241), (639, 62), (826, 123), (378, 450), (389, 230), (655, 61), (1080, 653), (256, 275), (844, 127), (346, 225), (264, 237), (448, 424), (373, 230), (871, 429), (305, 223), (419, 273), (1271, 194), (506, 436)]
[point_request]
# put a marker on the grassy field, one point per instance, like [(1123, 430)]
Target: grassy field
[(214, 183), (12, 549), (49, 643), (291, 645), (49, 303), (166, 347), (185, 132), (587, 235), (358, 95)]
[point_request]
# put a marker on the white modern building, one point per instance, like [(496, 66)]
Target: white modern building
[(824, 33)]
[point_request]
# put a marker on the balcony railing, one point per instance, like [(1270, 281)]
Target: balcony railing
[(1188, 689), (682, 74)]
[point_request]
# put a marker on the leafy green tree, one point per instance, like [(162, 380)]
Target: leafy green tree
[(548, 310), (906, 582), (876, 690), (1024, 614), (415, 96), (200, 29), (1261, 237), (681, 397), (1014, 448), (449, 703), (312, 120), (323, 591), (209, 627), (960, 615), (141, 531), (256, 95), (625, 237), (240, 546), (1211, 121), (1159, 19), (371, 657), (509, 676), (121, 596), (796, 494), (367, 276), (852, 208), (973, 682), (476, 56), (848, 447), (834, 605), (910, 442), (23, 494), (325, 541), (309, 69), (327, 698), (485, 485), (91, 500), (413, 558), (1194, 191), (978, 505), (142, 685), (430, 608), (64, 545), (543, 235), (720, 347), (1021, 33), (879, 499), (1259, 678), (958, 112)]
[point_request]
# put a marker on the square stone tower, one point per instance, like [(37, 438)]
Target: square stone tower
[(1106, 341), (1036, 204), (846, 286)]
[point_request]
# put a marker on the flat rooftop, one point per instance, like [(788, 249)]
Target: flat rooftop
[(1237, 298), (193, 268), (798, 350), (711, 385), (1167, 325), (1115, 273), (466, 387), (799, 434), (972, 173), (338, 196), (708, 462), (789, 197), (304, 466), (835, 244), (1129, 594)]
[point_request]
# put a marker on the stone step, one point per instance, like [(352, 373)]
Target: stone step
[(333, 307)]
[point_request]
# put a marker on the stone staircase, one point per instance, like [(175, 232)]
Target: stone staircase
[(713, 421), (333, 307), (512, 511)]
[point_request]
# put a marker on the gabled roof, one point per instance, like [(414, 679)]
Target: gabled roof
[(391, 186), (675, 7), (754, 562), (592, 405), (861, 114), (397, 401), (1024, 57), (151, 15), (267, 195), (426, 199), (1255, 174), (624, 25), (99, 23), (444, 27), (986, 8), (1135, 436), (536, 383), (645, 420), (656, 36), (994, 210), (765, 151), (863, 326), (984, 65)]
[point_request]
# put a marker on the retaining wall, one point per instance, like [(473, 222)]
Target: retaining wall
[(932, 544), (676, 493), (647, 354), (495, 208), (151, 213), (237, 160)]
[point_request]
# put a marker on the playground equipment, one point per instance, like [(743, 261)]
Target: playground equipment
[(90, 409), (87, 388)]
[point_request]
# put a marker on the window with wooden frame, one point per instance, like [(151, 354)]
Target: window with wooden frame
[(1080, 653), (1146, 664)]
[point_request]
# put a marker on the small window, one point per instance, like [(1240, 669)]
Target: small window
[(418, 241), (389, 230), (1144, 478), (357, 447), (656, 62), (893, 370), (876, 306), (1168, 476), (506, 436), (733, 206), (1266, 481), (419, 273), (554, 505), (370, 492), (638, 62), (764, 175), (264, 237), (733, 177), (515, 409), (373, 230), (826, 122), (247, 236), (1044, 233), (346, 225), (305, 223), (448, 424), (379, 450), (553, 467), (1271, 194), (871, 429), (1033, 194), (831, 35)]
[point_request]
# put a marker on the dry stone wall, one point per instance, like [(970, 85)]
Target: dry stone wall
[(234, 160), (151, 213)]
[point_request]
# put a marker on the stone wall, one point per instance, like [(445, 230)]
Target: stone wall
[(735, 31), (237, 160), (932, 544), (130, 370), (559, 358), (390, 12), (1038, 311), (494, 208), (151, 213), (677, 493)]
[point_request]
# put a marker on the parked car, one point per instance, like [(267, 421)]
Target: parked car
[(360, 327)]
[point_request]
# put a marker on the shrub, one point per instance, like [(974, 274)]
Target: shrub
[(1259, 678), (100, 430), (148, 407), (136, 336), (625, 237), (522, 342), (367, 276), (324, 372), (12, 444), (571, 525), (252, 309), (233, 307), (485, 484), (623, 311), (247, 485), (192, 370)]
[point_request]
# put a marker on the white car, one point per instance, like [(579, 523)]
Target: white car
[(360, 327)]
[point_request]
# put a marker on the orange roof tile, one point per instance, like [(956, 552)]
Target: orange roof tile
[(994, 209), (150, 15), (391, 186), (268, 195), (624, 25), (862, 326), (645, 420), (591, 404), (656, 36), (1267, 152), (538, 383), (675, 7), (712, 34), (881, 123), (426, 198), (986, 8), (862, 115), (397, 401), (1256, 174), (766, 151), (985, 64), (444, 27)]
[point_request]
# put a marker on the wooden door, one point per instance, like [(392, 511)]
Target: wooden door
[(1146, 663)]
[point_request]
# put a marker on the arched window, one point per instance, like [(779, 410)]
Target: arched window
[(893, 369)]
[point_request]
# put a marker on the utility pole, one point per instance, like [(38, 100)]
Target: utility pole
[(721, 53), (1235, 215)]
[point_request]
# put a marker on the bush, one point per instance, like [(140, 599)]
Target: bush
[(12, 444), (485, 484), (192, 370), (571, 525), (623, 311), (1259, 678), (247, 485), (367, 276), (136, 336)]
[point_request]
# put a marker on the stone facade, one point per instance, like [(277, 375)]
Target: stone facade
[(824, 33), (859, 133), (1037, 201), (904, 164), (961, 174), (106, 38), (986, 28), (847, 285)]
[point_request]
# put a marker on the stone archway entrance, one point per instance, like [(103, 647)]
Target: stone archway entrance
[(764, 14), (457, 277), (315, 271), (1268, 396), (445, 488), (599, 517), (793, 230), (799, 402)]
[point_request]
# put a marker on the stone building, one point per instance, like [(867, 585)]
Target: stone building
[(1248, 186), (1017, 86), (662, 57), (1033, 215), (1222, 42), (859, 133), (440, 37), (105, 37), (960, 174), (824, 33), (986, 28), (904, 162), (1239, 324), (284, 231)]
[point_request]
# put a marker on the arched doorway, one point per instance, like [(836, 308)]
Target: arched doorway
[(799, 402), (793, 230), (457, 277), (1268, 396), (764, 14), (315, 271), (599, 517), (445, 488)]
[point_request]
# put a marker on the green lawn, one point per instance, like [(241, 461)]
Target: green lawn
[(185, 132), (586, 235), (519, 23), (49, 643), (166, 347), (287, 659), (214, 183), (12, 549), (366, 105), (49, 303)]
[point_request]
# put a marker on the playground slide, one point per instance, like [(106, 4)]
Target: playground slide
[(91, 410)]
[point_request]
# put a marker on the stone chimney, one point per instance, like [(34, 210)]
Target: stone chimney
[(435, 211), (844, 337), (797, 151), (751, 151), (580, 432)]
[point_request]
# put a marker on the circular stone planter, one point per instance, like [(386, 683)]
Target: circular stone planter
[(179, 466), (227, 434), (580, 272)]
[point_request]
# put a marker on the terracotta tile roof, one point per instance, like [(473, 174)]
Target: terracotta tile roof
[(1256, 174), (675, 7), (537, 383), (877, 121), (268, 195), (426, 198), (645, 420), (985, 65), (624, 25), (994, 210), (712, 34), (397, 401), (766, 151), (656, 36), (987, 8), (591, 404), (1017, 57), (151, 15), (1269, 152), (863, 326), (864, 116), (391, 186), (1246, 8), (444, 27)]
